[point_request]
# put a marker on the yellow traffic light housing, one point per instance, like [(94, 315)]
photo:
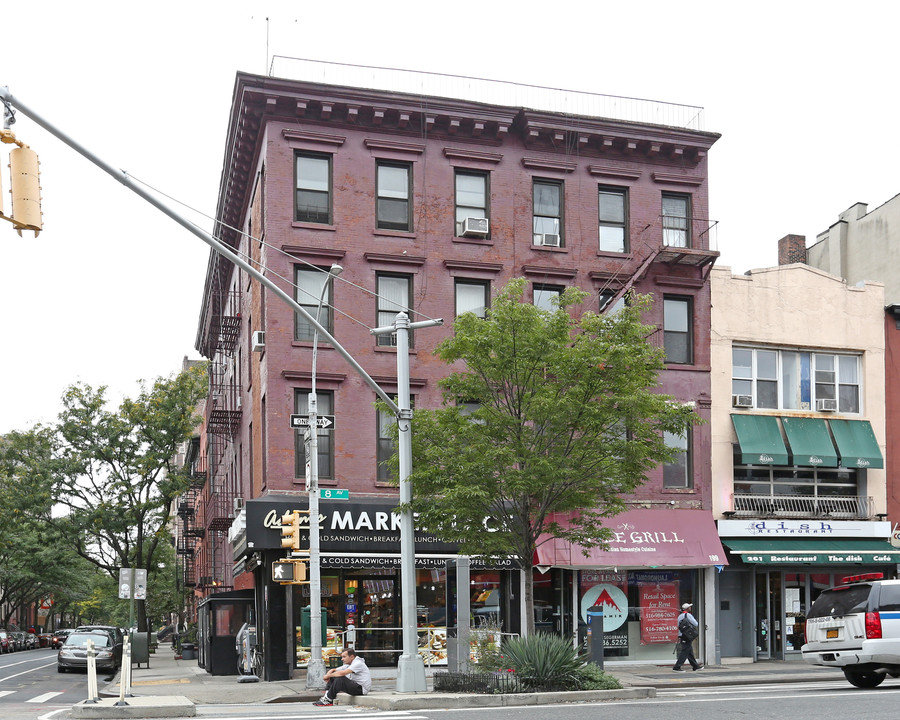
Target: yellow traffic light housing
[(289, 571), (25, 186), (290, 530)]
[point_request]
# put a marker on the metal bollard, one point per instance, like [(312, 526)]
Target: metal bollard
[(93, 693), (125, 674)]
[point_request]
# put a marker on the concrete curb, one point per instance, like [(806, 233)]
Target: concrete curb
[(160, 706), (447, 701)]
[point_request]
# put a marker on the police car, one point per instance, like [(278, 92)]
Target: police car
[(856, 626)]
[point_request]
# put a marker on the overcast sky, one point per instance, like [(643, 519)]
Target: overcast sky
[(803, 95)]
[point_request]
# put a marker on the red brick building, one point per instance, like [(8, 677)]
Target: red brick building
[(433, 204)]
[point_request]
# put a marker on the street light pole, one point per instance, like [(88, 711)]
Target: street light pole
[(315, 668), (410, 668)]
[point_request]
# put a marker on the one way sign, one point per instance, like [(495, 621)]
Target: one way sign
[(323, 422)]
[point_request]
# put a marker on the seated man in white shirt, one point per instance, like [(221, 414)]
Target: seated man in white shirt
[(353, 678)]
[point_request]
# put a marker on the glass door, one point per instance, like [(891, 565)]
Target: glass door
[(763, 626), (377, 618)]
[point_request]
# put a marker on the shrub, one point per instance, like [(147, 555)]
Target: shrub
[(542, 660), (591, 677), (485, 647)]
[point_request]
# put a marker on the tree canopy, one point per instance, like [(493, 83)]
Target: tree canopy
[(549, 421)]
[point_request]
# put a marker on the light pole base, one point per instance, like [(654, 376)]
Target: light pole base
[(411, 674), (315, 674)]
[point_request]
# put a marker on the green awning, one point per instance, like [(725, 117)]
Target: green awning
[(760, 440), (810, 442), (808, 551), (856, 443)]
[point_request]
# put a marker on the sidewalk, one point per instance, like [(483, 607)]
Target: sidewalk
[(171, 687)]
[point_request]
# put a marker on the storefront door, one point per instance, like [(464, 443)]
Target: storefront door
[(769, 608), (376, 617)]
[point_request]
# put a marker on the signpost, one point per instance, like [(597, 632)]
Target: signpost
[(323, 422)]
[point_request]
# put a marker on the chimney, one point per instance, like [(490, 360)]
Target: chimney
[(792, 249)]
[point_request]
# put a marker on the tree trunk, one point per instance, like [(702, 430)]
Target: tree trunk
[(528, 620)]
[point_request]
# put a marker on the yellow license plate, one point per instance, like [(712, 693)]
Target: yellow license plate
[(831, 634)]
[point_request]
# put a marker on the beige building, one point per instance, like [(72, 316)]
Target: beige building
[(798, 433), (863, 245)]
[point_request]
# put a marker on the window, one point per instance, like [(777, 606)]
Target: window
[(794, 380), (309, 283), (471, 197), (385, 447), (677, 324), (325, 438), (547, 212), (806, 491), (676, 215), (677, 473), (393, 190), (313, 199), (472, 296), (613, 220), (606, 297), (544, 294), (394, 296)]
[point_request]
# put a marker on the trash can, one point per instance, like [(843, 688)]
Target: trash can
[(140, 648), (188, 651)]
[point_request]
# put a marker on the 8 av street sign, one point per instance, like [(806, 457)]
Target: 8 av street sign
[(323, 422)]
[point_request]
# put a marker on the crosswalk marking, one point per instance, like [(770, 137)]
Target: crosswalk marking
[(44, 698), (4, 693)]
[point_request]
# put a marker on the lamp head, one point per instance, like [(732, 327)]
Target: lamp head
[(335, 270)]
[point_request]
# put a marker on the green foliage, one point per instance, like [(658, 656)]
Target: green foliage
[(590, 677), (568, 422), (485, 646), (542, 659)]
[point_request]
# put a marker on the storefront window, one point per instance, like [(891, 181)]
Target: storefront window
[(640, 609), (485, 599), (794, 610)]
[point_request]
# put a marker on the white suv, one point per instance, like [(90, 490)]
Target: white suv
[(856, 626)]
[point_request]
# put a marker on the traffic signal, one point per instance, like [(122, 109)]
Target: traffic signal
[(290, 530), (290, 572), (25, 186)]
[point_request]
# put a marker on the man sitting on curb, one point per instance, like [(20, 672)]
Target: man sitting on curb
[(353, 678)]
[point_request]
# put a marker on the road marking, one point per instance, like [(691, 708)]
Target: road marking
[(25, 672), (44, 698), (4, 693)]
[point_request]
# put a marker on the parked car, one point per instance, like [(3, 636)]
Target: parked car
[(31, 641), (117, 634), (855, 626), (59, 637), (6, 642), (18, 638), (73, 653)]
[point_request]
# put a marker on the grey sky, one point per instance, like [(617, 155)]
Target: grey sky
[(110, 292)]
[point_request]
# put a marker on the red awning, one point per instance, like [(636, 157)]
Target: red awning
[(645, 538)]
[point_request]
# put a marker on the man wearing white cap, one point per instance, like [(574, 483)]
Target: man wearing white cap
[(688, 630)]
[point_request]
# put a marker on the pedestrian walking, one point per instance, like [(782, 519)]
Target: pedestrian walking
[(688, 631), (353, 678)]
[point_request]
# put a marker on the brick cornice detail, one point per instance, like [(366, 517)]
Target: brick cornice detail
[(391, 380), (393, 146), (461, 154), (469, 265), (312, 252), (619, 173), (539, 270), (307, 375), (394, 259), (533, 163), (677, 179), (310, 137)]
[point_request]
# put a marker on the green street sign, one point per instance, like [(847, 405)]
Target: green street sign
[(333, 494)]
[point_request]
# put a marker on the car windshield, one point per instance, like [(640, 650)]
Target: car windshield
[(841, 601), (81, 639)]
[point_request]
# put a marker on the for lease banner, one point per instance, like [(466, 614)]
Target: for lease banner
[(659, 613)]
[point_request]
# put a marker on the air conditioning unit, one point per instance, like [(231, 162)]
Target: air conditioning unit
[(742, 401), (550, 240), (259, 341), (475, 227), (238, 505), (239, 403), (826, 405)]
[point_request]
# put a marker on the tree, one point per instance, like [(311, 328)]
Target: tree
[(119, 478), (568, 421)]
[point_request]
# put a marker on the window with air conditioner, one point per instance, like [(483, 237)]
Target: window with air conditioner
[(472, 204), (791, 379), (547, 212)]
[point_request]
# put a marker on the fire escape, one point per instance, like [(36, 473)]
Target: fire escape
[(223, 420)]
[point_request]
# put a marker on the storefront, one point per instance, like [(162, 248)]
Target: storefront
[(777, 568), (360, 581), (656, 560)]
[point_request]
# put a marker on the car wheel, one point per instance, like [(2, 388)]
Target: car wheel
[(864, 679), (60, 668)]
